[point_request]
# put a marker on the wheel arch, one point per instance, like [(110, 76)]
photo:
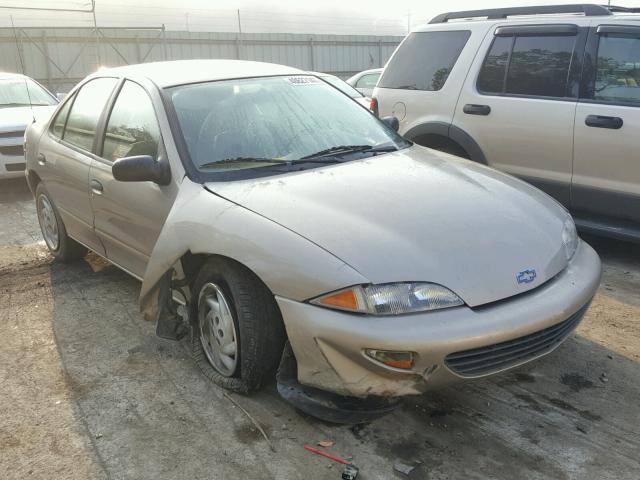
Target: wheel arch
[(183, 272), (438, 134), (33, 179), (192, 262)]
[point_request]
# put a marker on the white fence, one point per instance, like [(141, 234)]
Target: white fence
[(60, 57)]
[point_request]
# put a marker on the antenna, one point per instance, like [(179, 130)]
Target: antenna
[(26, 85)]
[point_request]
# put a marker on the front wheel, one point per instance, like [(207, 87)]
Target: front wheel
[(61, 246), (237, 333)]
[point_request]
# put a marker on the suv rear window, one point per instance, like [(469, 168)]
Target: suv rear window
[(424, 60), (534, 66)]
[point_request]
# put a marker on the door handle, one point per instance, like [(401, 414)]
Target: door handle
[(96, 186), (473, 109), (41, 159), (600, 121)]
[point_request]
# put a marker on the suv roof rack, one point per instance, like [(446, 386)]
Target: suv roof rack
[(587, 9), (617, 9)]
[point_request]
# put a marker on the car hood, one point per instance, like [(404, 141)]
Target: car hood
[(17, 118), (419, 215)]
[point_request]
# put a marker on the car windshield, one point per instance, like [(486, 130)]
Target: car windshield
[(343, 86), (257, 123), (14, 93)]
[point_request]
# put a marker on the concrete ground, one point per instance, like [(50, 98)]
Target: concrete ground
[(89, 392)]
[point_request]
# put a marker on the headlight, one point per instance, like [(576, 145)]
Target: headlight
[(390, 299), (569, 238)]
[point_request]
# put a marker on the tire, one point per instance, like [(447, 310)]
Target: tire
[(257, 327), (63, 248)]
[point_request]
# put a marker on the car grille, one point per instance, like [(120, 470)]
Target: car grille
[(12, 134), (12, 150), (15, 167), (500, 356)]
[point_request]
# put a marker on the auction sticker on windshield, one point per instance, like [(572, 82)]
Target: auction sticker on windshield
[(304, 80)]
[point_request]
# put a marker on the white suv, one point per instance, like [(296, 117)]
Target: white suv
[(550, 94)]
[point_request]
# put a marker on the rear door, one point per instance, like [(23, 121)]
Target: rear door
[(129, 216), (606, 175), (65, 154), (519, 102)]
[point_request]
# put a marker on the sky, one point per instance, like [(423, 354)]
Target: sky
[(356, 17)]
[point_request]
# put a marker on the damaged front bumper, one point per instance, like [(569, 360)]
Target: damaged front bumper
[(329, 346)]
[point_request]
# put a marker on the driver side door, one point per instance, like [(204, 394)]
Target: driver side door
[(129, 216)]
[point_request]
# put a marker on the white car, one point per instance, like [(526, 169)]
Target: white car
[(345, 88), (22, 100), (365, 81)]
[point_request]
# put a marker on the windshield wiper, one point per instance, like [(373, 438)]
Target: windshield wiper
[(342, 149), (277, 161), (323, 156), (227, 161)]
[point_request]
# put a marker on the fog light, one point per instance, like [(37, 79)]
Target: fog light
[(402, 360)]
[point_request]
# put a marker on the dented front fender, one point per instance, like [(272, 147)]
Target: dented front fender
[(201, 222)]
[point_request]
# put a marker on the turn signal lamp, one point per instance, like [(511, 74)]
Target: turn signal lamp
[(401, 360)]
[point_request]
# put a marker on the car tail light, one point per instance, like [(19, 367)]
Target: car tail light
[(373, 106)]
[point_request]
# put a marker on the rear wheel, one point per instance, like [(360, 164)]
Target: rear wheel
[(237, 336), (61, 246)]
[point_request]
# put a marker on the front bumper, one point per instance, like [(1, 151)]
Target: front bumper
[(329, 345)]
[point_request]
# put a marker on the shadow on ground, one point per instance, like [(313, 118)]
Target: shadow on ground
[(90, 392), (150, 414)]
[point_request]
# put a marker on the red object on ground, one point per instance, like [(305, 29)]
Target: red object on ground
[(327, 455)]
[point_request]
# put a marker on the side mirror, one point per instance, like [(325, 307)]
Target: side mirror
[(141, 168), (391, 122), (60, 96)]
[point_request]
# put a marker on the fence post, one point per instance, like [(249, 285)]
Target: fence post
[(47, 68), (313, 61), (379, 53), (164, 42), (20, 48), (138, 55), (95, 27)]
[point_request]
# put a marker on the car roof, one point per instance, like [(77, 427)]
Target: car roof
[(180, 72), (555, 18)]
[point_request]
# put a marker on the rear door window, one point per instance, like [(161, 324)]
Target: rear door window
[(61, 118), (85, 112), (528, 65), (540, 66), (491, 78), (424, 60), (618, 69)]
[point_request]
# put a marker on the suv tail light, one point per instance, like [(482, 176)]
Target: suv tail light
[(373, 106)]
